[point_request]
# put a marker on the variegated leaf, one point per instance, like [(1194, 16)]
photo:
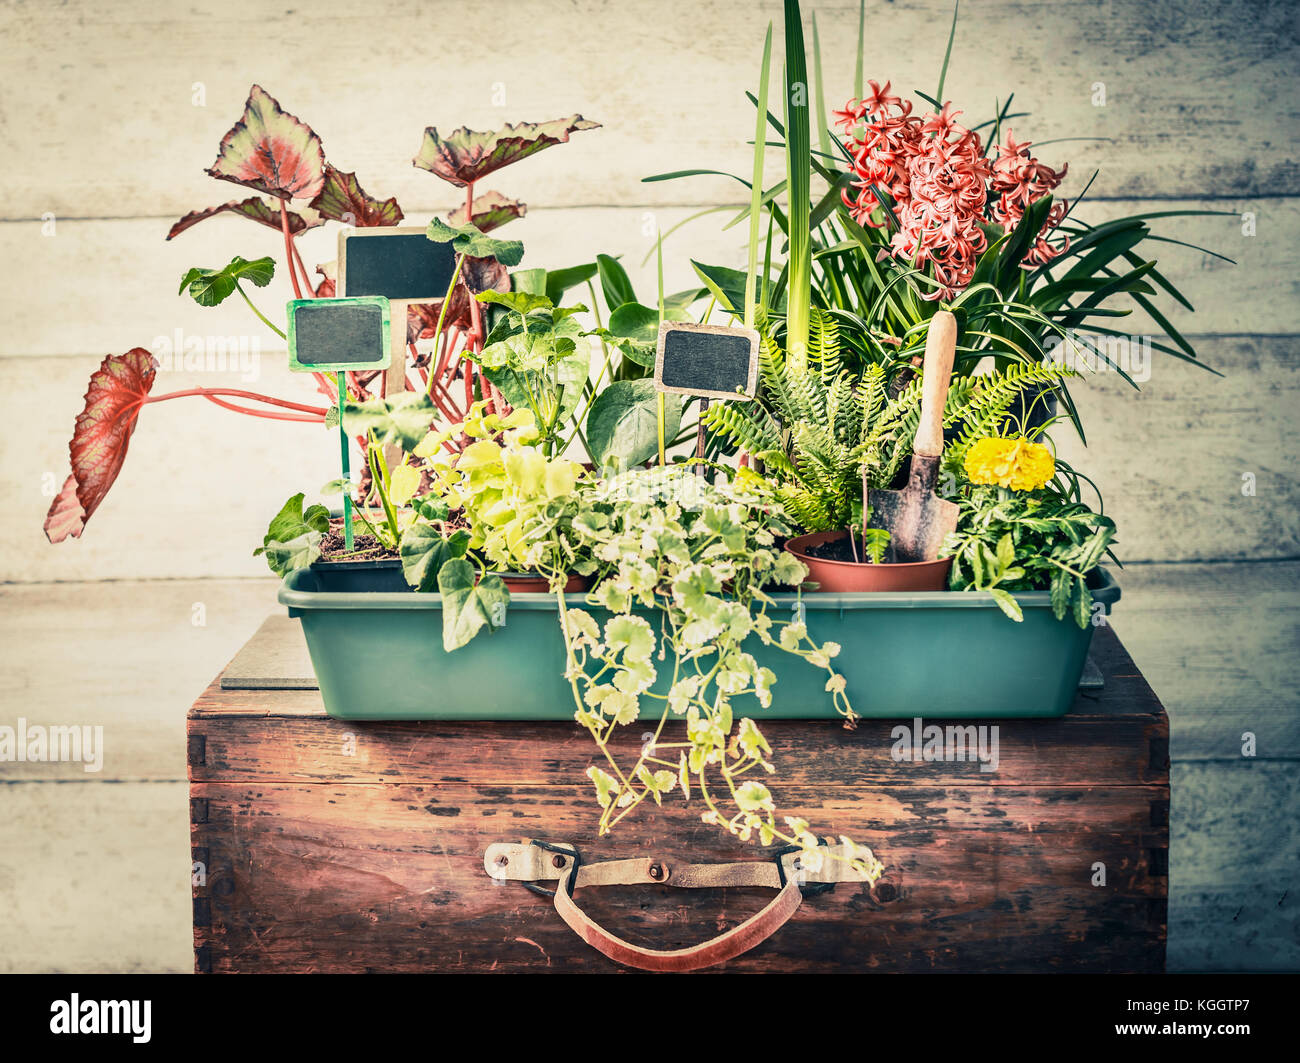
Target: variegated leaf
[(468, 155), (271, 151)]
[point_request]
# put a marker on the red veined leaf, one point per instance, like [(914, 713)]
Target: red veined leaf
[(271, 151), (329, 281), (491, 211), (343, 199), (478, 275), (118, 388), (66, 517), (467, 155), (255, 208)]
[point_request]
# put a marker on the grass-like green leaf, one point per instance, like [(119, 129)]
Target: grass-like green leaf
[(559, 281), (798, 164), (947, 55), (755, 203), (614, 282)]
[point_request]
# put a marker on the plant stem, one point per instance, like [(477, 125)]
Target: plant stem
[(288, 249), (442, 312), (604, 348), (297, 257), (237, 393), (267, 414), (751, 275), (341, 380), (265, 320), (379, 475)]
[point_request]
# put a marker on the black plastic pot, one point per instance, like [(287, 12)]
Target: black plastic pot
[(1033, 408), (385, 577), (351, 577)]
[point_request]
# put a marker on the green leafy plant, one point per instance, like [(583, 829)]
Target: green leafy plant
[(429, 542), (539, 357), (401, 422), (471, 600), (682, 571), (516, 499), (623, 424), (292, 540), (687, 567), (1024, 527), (413, 527), (515, 504), (615, 415), (211, 287)]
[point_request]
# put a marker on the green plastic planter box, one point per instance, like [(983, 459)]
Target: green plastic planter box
[(943, 654)]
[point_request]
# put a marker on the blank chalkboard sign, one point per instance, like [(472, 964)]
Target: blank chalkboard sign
[(338, 334), (708, 361), (398, 262)]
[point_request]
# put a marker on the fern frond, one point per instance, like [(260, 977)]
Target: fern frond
[(748, 426), (824, 345), (807, 508), (842, 413), (872, 392)]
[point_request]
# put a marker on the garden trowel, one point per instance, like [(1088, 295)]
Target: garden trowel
[(916, 518)]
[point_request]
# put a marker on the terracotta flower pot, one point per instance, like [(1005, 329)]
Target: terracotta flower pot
[(850, 576), (532, 583)]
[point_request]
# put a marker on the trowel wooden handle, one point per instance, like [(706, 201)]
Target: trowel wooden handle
[(940, 347)]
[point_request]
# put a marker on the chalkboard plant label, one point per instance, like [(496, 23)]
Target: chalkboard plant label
[(338, 334), (706, 361), (397, 262)]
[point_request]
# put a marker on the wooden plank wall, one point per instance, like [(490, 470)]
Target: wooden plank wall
[(111, 112)]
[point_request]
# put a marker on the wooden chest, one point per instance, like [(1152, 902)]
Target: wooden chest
[(327, 845)]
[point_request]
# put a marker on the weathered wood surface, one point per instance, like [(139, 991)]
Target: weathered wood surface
[(1257, 295), (275, 658), (1191, 102), (1234, 852), (342, 845), (358, 877), (93, 877)]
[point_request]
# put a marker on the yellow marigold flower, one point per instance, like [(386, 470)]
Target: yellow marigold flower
[(1014, 463)]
